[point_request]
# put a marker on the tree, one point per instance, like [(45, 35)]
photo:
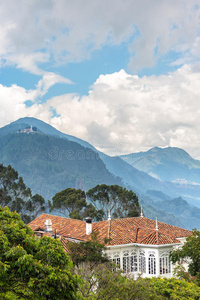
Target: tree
[(72, 203), (69, 202), (15, 195), (116, 199), (32, 268), (191, 253), (169, 288), (108, 284), (91, 252)]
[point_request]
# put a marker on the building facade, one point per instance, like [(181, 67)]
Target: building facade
[(139, 246)]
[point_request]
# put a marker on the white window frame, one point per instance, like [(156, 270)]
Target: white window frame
[(165, 264), (142, 261), (152, 263), (130, 261)]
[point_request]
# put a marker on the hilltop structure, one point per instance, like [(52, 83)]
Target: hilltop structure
[(137, 245), (28, 130)]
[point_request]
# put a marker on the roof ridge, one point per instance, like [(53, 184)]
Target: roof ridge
[(147, 236)]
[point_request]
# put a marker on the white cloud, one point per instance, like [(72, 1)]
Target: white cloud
[(125, 113), (36, 31), (122, 113), (50, 79), (13, 99)]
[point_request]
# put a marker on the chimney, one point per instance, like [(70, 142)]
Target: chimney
[(88, 221), (48, 225)]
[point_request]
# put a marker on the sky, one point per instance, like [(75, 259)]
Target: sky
[(122, 75)]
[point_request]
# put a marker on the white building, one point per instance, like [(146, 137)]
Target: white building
[(137, 245)]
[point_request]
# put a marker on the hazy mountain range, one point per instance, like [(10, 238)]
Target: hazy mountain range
[(167, 164), (50, 161)]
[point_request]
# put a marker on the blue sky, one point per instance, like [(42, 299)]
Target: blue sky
[(122, 75)]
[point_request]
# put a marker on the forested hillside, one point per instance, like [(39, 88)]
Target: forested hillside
[(49, 164)]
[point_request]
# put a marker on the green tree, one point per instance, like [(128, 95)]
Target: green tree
[(72, 203), (15, 195), (172, 288), (91, 252), (116, 199), (32, 268), (190, 252), (106, 284), (69, 202)]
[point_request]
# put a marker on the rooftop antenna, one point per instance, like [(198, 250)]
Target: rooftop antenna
[(141, 213)]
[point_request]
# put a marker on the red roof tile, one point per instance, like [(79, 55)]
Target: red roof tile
[(139, 230)]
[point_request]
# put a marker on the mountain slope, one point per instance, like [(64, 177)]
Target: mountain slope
[(43, 127), (167, 164), (49, 164)]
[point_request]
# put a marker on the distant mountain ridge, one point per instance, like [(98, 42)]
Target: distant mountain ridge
[(167, 164)]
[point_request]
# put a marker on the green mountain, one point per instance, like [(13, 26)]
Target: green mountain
[(49, 164), (167, 164)]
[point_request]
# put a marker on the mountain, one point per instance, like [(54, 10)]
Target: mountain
[(49, 161), (187, 214), (42, 127), (49, 164), (130, 176), (167, 164)]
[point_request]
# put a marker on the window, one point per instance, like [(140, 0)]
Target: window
[(165, 265), (130, 261), (152, 263), (142, 262), (134, 261), (116, 258), (126, 261)]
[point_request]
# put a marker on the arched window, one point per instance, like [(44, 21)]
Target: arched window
[(130, 263), (133, 261), (116, 258), (152, 262), (165, 265), (142, 261), (126, 261)]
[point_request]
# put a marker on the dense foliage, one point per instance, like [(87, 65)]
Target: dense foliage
[(103, 198), (15, 195), (91, 252), (106, 283), (69, 202), (114, 199), (190, 252), (32, 268)]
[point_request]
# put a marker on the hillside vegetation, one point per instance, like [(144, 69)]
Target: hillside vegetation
[(49, 164)]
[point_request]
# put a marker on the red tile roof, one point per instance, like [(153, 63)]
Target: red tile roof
[(139, 230)]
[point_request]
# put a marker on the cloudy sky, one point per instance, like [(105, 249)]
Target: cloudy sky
[(122, 75)]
